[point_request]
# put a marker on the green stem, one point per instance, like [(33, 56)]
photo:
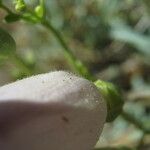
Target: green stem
[(57, 34), (77, 65)]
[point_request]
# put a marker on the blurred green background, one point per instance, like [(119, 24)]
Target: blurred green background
[(112, 37)]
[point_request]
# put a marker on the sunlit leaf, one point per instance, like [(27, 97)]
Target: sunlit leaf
[(124, 33)]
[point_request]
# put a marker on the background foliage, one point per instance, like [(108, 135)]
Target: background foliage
[(111, 37)]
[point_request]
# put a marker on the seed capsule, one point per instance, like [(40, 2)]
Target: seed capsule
[(53, 111)]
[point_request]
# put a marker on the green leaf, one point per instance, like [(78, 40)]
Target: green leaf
[(7, 43), (12, 18), (124, 33)]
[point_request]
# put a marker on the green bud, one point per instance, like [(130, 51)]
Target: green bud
[(39, 11), (20, 5), (113, 99)]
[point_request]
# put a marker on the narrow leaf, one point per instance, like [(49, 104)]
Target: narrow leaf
[(124, 33)]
